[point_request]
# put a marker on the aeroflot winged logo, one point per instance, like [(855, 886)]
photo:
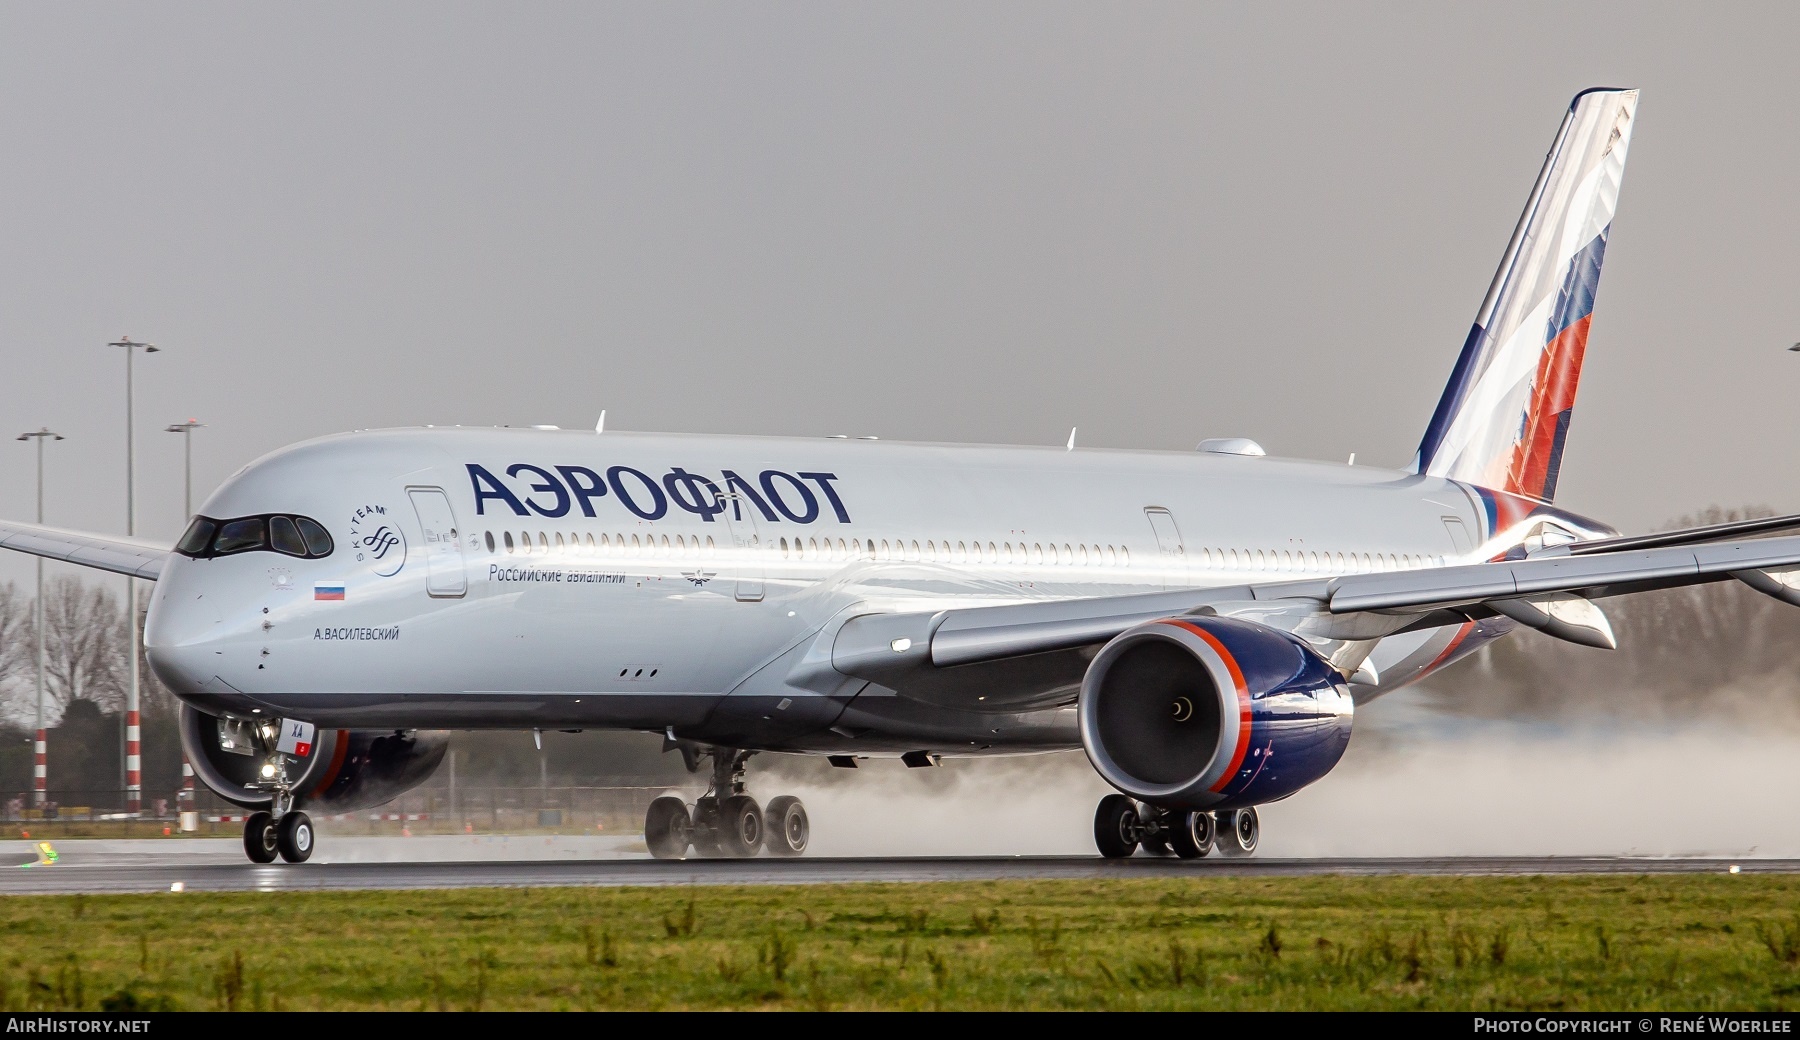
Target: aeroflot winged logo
[(800, 498), (378, 540)]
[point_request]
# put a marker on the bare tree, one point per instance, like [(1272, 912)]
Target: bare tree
[(17, 649), (85, 647)]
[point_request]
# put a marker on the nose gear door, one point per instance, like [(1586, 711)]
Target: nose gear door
[(443, 550)]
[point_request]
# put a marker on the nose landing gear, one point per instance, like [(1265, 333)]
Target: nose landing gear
[(725, 822), (286, 831), (289, 836), (1122, 826), (294, 836)]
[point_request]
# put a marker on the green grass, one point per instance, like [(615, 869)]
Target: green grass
[(1669, 942)]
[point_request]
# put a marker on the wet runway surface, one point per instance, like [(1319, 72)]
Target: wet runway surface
[(218, 866)]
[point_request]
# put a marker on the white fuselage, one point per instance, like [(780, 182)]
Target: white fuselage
[(636, 580)]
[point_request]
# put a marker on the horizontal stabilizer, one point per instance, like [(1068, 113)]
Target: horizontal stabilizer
[(1596, 576), (1685, 536)]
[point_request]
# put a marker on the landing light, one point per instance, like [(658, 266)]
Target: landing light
[(900, 646), (268, 770)]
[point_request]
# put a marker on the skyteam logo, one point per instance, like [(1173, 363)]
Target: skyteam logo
[(378, 540)]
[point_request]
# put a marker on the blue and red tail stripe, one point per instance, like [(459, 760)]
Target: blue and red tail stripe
[(1537, 457), (1500, 511), (1503, 418)]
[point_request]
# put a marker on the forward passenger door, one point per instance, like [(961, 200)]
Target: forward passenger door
[(446, 578)]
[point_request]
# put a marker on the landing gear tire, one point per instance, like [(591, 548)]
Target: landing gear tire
[(1116, 828), (668, 828), (740, 827), (1239, 831), (294, 837), (1195, 834), (788, 827), (260, 840)]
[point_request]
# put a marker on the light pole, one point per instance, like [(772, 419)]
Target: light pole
[(134, 788), (186, 429), (187, 463), (40, 772)]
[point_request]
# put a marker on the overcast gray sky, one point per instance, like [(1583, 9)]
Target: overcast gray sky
[(950, 221)]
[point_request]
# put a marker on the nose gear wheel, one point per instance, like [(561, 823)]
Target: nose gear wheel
[(261, 842), (294, 837)]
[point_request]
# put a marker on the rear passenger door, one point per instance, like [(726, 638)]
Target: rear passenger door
[(1171, 555)]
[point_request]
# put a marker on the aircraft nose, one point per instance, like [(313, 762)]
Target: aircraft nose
[(180, 633)]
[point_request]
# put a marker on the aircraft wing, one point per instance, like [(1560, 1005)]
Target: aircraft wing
[(1765, 564), (1537, 591), (101, 551)]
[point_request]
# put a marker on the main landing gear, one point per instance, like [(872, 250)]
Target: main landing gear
[(725, 822), (1122, 826)]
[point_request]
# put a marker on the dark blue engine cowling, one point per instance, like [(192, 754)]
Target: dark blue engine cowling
[(344, 769), (1212, 713)]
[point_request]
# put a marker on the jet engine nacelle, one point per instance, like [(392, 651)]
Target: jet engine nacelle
[(343, 769), (1212, 713)]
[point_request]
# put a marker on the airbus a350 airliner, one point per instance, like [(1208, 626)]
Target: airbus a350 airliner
[(1202, 624)]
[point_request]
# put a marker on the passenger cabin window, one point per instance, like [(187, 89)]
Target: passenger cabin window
[(298, 536)]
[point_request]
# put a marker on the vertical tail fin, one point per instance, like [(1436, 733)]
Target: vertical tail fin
[(1505, 413)]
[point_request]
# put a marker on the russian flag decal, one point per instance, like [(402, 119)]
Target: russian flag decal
[(328, 590)]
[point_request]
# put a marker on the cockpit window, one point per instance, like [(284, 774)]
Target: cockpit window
[(290, 535), (318, 543), (240, 536), (197, 537), (284, 537)]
